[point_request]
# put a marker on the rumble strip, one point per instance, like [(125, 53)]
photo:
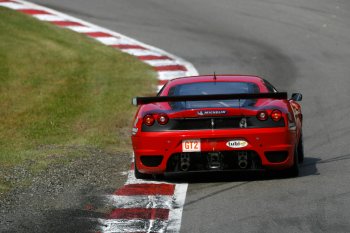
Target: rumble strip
[(139, 206), (145, 206)]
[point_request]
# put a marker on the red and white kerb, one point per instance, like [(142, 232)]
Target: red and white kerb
[(145, 206)]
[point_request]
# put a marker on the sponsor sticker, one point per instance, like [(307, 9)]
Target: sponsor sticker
[(211, 112), (193, 145), (237, 143)]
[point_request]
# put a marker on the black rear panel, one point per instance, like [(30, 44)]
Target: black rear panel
[(213, 123), (224, 160)]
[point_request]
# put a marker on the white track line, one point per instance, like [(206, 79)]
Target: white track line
[(12, 5), (175, 213), (141, 52), (108, 40), (48, 17), (167, 75), (81, 29), (161, 62), (135, 225), (142, 201)]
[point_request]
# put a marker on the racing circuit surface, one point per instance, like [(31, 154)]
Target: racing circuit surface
[(297, 45)]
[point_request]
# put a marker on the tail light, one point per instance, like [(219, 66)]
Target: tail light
[(262, 115), (163, 119), (148, 120), (276, 115)]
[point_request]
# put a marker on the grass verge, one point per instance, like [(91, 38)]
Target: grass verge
[(60, 90)]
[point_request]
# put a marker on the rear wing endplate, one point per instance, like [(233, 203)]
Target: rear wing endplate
[(147, 100)]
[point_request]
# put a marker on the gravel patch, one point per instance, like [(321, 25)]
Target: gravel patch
[(65, 197)]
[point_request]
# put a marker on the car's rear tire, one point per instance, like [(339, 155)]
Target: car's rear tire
[(293, 171), (301, 150), (140, 175)]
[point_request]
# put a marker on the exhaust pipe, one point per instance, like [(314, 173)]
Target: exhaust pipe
[(243, 159), (243, 164), (215, 160), (185, 162)]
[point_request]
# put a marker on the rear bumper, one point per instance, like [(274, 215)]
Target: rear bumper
[(260, 140)]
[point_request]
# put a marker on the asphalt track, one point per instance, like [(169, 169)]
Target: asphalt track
[(299, 46)]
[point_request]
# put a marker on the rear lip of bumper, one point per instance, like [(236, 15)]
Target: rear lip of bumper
[(217, 171), (260, 140)]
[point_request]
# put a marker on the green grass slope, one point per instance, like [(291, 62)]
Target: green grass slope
[(60, 90)]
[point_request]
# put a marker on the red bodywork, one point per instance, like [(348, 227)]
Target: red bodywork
[(156, 147)]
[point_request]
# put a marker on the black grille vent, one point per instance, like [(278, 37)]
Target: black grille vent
[(151, 160), (276, 156)]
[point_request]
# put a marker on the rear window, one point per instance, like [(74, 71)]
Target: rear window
[(212, 88)]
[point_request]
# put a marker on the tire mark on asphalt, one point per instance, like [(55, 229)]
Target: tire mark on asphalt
[(330, 160), (217, 192)]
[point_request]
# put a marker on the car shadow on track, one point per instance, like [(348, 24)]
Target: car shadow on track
[(308, 168)]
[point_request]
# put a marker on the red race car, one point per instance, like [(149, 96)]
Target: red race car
[(217, 123)]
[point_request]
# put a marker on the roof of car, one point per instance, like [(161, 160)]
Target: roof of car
[(216, 78)]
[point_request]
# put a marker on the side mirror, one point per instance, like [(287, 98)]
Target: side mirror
[(134, 101), (297, 97)]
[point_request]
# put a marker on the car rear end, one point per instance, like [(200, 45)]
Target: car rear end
[(214, 123), (226, 140)]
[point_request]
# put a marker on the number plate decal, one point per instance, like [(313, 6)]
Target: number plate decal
[(193, 145)]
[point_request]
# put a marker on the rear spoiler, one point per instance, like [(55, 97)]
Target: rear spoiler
[(147, 100)]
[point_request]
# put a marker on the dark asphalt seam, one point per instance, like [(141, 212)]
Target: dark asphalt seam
[(217, 192), (335, 159)]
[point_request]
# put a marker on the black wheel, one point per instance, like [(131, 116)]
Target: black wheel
[(301, 150), (294, 170), (140, 175)]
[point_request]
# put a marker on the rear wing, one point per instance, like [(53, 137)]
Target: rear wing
[(147, 100)]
